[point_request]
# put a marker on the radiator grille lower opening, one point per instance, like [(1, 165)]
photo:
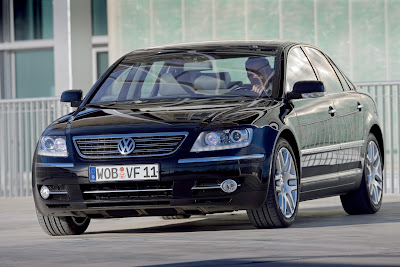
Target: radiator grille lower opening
[(128, 191)]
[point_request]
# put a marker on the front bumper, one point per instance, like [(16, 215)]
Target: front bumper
[(189, 186)]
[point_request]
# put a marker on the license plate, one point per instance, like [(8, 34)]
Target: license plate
[(138, 172)]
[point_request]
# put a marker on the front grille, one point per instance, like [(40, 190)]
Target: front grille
[(150, 144), (133, 190)]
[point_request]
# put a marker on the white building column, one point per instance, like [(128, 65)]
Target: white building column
[(73, 45)]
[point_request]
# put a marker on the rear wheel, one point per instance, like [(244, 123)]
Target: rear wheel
[(280, 207), (368, 197), (62, 225)]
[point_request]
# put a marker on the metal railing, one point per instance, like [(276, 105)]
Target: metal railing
[(22, 122), (387, 99)]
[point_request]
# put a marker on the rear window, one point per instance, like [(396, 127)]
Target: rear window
[(188, 75)]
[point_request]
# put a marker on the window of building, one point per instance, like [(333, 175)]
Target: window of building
[(2, 26), (32, 80), (27, 50), (33, 19), (102, 63), (99, 17)]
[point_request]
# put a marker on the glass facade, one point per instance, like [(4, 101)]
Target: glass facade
[(27, 70), (33, 19), (34, 73), (2, 26), (102, 63), (4, 21), (99, 17), (5, 75)]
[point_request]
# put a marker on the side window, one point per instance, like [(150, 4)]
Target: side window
[(343, 81), (325, 70), (298, 68)]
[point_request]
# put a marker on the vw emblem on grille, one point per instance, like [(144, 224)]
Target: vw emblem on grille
[(126, 145)]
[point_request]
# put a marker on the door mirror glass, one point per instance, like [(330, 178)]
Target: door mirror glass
[(307, 89), (72, 96)]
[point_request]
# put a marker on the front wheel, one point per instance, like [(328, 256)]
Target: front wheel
[(62, 225), (367, 199), (280, 208)]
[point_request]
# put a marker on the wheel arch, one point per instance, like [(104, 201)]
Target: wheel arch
[(377, 132), (289, 136)]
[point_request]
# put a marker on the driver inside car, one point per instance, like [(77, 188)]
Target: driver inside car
[(259, 73)]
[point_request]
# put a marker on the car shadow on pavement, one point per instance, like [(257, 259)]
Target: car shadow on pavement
[(326, 261), (306, 218)]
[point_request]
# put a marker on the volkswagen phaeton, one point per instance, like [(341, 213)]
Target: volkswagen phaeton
[(195, 129)]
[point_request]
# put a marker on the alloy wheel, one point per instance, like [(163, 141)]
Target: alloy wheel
[(286, 182), (374, 173)]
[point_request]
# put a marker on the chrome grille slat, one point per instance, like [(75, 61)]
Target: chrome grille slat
[(156, 140), (87, 142), (149, 144), (154, 150), (100, 152), (97, 147), (156, 144)]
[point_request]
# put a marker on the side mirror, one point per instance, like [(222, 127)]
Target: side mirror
[(72, 96), (307, 89)]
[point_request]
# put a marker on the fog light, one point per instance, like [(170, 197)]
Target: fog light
[(45, 192), (229, 186)]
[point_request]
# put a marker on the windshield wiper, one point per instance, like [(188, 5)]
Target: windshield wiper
[(102, 105)]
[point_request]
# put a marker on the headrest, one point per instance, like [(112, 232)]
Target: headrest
[(226, 77), (201, 65), (169, 86), (205, 82)]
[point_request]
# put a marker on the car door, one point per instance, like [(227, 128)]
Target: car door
[(316, 126), (348, 115)]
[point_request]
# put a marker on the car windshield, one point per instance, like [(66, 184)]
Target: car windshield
[(188, 75)]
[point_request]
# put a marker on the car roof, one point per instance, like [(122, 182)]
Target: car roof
[(238, 45)]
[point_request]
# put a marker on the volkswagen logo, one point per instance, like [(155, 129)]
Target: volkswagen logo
[(126, 145)]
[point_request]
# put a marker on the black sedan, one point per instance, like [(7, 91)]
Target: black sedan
[(195, 129)]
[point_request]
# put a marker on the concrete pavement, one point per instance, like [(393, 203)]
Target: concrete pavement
[(322, 235)]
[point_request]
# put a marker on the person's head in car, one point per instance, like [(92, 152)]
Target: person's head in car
[(258, 72)]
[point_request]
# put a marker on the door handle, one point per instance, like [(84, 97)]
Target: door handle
[(332, 111), (359, 106)]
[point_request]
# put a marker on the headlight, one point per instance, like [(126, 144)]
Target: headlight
[(53, 146), (220, 140)]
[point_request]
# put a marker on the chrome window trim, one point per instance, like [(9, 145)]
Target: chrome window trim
[(226, 158), (330, 148), (59, 165), (185, 134)]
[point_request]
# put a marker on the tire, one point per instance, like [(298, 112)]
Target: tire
[(367, 199), (283, 188), (68, 225), (176, 217)]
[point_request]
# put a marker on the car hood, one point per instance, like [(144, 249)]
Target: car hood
[(168, 115)]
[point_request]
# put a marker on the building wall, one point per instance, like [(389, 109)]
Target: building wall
[(48, 46), (362, 36)]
